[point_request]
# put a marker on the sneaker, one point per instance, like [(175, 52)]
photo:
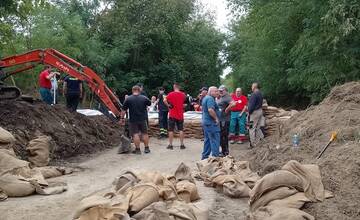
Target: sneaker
[(232, 142), (147, 150), (137, 151), (182, 147), (170, 147), (240, 142)]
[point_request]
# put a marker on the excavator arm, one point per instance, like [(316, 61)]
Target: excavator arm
[(51, 57)]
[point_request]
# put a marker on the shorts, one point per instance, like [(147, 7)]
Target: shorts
[(179, 124), (138, 127)]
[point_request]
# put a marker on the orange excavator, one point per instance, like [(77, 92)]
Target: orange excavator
[(19, 63)]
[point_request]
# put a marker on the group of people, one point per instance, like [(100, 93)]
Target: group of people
[(171, 115), (223, 113), (224, 117), (72, 88)]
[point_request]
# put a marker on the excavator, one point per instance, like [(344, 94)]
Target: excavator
[(18, 63)]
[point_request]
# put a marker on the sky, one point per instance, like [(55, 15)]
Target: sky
[(222, 18), (221, 11)]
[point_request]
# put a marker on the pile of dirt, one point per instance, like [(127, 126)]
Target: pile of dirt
[(340, 164), (72, 133)]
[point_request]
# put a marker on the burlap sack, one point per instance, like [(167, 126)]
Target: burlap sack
[(201, 210), (128, 178), (232, 186), (274, 180), (51, 171), (280, 213), (242, 169), (273, 195), (142, 195), (50, 189), (155, 211), (151, 177), (8, 161), (295, 201), (7, 140), (110, 206), (15, 186), (181, 211), (187, 191), (3, 195), (310, 178), (39, 151), (183, 172)]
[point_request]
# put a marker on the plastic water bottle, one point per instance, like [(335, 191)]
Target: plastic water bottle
[(296, 141)]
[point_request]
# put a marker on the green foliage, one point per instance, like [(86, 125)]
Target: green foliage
[(297, 49), (156, 42)]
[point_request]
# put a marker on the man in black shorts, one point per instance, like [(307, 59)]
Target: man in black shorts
[(137, 105), (175, 101)]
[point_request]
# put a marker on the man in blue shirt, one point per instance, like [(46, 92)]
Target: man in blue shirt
[(210, 121)]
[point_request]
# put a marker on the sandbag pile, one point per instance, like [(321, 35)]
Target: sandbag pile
[(280, 195), (274, 118), (17, 179), (192, 128), (146, 196), (233, 178)]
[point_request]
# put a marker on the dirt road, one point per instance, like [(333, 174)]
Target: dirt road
[(98, 174)]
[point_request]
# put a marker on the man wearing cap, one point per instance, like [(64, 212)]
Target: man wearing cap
[(223, 103)]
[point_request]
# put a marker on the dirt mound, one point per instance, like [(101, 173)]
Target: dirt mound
[(340, 164), (72, 133)]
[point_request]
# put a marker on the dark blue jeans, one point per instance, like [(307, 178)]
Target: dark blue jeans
[(211, 141), (46, 95)]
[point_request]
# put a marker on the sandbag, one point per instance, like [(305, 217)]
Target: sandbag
[(3, 195), (110, 206), (141, 196), (295, 201), (181, 211), (8, 161), (39, 151), (50, 188), (187, 191), (201, 210), (128, 178), (232, 185), (155, 211), (151, 177), (274, 180), (276, 194), (242, 169), (15, 186), (52, 171), (7, 140), (125, 146), (183, 172), (280, 213), (310, 177)]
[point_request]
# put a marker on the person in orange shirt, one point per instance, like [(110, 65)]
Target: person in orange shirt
[(238, 116)]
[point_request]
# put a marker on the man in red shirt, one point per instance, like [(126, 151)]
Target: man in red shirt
[(175, 101), (238, 116), (45, 84)]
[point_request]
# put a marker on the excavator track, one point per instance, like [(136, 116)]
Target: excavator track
[(9, 92)]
